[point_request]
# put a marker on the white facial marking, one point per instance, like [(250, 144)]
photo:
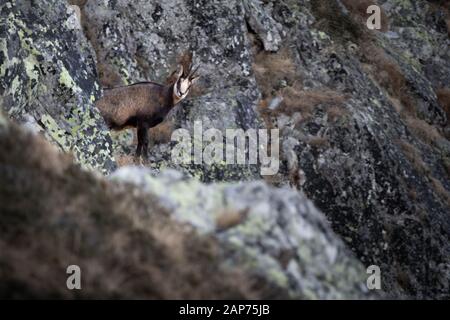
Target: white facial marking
[(181, 88), (184, 85)]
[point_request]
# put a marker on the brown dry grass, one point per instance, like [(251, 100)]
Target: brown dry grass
[(305, 101), (273, 68), (336, 112), (266, 113), (414, 156), (424, 131), (53, 214), (443, 95), (440, 190), (271, 71), (390, 77), (318, 142), (125, 160)]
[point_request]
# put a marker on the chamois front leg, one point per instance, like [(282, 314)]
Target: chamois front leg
[(142, 147)]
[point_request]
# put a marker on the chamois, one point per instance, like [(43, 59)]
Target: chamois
[(144, 105)]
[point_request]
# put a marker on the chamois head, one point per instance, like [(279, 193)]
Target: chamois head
[(185, 78)]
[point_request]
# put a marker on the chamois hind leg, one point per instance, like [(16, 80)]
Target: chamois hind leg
[(142, 147), (145, 144), (139, 146)]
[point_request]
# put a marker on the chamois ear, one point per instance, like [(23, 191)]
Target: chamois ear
[(194, 80), (193, 77)]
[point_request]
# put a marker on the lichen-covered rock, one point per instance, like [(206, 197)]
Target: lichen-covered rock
[(48, 78), (275, 233), (380, 173), (263, 25)]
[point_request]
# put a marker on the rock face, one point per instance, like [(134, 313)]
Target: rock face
[(127, 246), (376, 163), (363, 118), (48, 79), (381, 177)]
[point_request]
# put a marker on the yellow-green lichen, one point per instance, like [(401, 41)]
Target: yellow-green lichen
[(55, 132), (278, 277), (66, 79), (30, 64)]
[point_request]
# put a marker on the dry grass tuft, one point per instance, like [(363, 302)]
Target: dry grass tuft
[(297, 100), (416, 160), (414, 156), (426, 132), (335, 113), (266, 113), (318, 142), (440, 190), (389, 76), (125, 160), (443, 95), (305, 101), (274, 69)]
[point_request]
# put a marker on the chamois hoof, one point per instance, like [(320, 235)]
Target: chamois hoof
[(140, 159), (137, 159)]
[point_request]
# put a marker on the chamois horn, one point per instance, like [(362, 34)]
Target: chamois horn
[(192, 74)]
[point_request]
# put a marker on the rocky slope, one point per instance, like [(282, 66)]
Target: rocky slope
[(248, 241), (363, 117)]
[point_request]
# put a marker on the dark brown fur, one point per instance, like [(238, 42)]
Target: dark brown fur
[(141, 106)]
